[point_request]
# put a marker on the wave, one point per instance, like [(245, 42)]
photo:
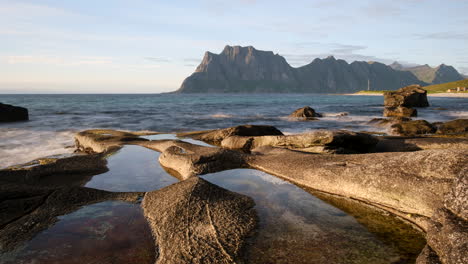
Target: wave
[(23, 145)]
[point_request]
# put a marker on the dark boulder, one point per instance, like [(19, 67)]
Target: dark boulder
[(388, 121), (10, 113), (400, 111), (457, 126), (412, 128), (306, 113), (409, 96)]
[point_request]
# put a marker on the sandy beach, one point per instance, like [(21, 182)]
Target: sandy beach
[(461, 95)]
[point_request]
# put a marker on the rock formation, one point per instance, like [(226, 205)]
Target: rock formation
[(412, 128), (409, 96), (400, 111), (305, 113), (195, 221), (458, 126), (10, 113)]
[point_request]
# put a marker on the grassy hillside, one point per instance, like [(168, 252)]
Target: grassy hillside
[(442, 88)]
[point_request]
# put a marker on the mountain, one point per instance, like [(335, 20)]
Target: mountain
[(248, 70), (440, 74)]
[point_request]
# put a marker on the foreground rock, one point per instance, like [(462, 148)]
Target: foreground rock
[(195, 221), (305, 113), (320, 141), (457, 126), (184, 160), (409, 96), (400, 111), (216, 136), (10, 113), (412, 128), (66, 170), (402, 144)]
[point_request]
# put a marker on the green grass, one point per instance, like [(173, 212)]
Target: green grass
[(442, 88), (431, 89)]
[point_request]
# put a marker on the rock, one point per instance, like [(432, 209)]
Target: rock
[(428, 256), (194, 221), (216, 136), (10, 113), (409, 96), (401, 144), (388, 121), (205, 160), (306, 113), (321, 141), (412, 128), (409, 184), (457, 126), (106, 140), (400, 111), (65, 170)]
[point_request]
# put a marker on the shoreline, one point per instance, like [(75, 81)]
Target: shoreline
[(456, 95)]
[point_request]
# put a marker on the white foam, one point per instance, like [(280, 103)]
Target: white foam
[(21, 145), (220, 115)]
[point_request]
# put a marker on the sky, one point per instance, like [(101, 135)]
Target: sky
[(150, 46)]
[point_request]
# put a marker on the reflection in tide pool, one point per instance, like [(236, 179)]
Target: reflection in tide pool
[(132, 169), (106, 232), (174, 137), (296, 227)]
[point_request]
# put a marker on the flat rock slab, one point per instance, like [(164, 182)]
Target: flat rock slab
[(195, 221), (106, 140), (217, 135), (320, 141)]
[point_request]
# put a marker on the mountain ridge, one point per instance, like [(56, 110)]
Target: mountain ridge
[(248, 70)]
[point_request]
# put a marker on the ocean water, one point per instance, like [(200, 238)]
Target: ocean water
[(55, 118)]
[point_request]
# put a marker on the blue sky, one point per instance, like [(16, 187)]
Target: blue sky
[(143, 46)]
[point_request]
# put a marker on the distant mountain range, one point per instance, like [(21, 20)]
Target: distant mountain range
[(248, 70)]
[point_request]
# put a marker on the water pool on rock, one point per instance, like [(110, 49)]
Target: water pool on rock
[(296, 227), (106, 232)]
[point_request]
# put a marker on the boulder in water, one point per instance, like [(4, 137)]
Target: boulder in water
[(10, 113), (409, 96), (457, 126), (412, 128), (400, 111), (306, 113)]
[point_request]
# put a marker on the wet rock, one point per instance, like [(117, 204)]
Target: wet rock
[(457, 126), (10, 113), (400, 111), (68, 170), (305, 113), (409, 96), (194, 221), (412, 128), (27, 210), (388, 121), (428, 256), (216, 136), (400, 144), (320, 141), (188, 163), (104, 140)]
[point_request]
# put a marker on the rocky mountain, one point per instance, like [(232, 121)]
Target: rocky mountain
[(248, 70), (440, 74)]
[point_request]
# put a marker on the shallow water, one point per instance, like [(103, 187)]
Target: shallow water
[(106, 232), (54, 118), (132, 169), (296, 227)]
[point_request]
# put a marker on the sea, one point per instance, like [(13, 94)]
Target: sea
[(55, 118)]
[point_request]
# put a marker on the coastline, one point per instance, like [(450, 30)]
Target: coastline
[(458, 95)]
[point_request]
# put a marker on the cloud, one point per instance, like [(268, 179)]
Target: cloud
[(158, 59), (347, 49), (442, 35)]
